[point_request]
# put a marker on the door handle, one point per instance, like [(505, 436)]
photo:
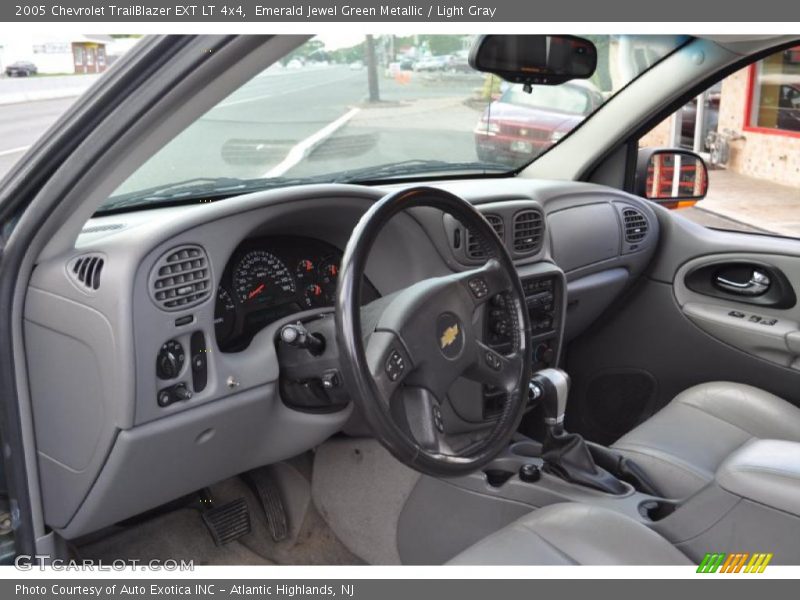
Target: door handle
[(758, 284)]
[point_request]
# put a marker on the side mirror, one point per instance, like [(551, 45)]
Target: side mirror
[(671, 177), (534, 59)]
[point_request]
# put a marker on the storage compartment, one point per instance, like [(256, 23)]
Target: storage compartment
[(766, 472), (597, 228)]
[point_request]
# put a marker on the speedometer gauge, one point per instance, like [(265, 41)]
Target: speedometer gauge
[(262, 278)]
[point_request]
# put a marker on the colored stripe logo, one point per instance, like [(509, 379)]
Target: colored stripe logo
[(737, 562)]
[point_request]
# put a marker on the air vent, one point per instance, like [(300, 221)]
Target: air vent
[(86, 270), (635, 225), (528, 231), (181, 278), (100, 228), (474, 248)]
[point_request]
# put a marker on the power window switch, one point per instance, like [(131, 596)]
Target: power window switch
[(769, 322), (736, 314), (755, 319)]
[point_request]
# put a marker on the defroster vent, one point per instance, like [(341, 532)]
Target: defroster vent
[(181, 278)]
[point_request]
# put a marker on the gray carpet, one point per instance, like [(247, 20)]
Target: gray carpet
[(360, 490), (177, 535), (181, 533)]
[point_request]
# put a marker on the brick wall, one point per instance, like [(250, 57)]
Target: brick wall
[(761, 155)]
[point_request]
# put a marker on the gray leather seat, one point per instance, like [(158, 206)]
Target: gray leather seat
[(682, 445), (572, 534)]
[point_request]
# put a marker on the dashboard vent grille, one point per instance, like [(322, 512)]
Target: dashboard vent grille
[(101, 228), (528, 231), (86, 270), (474, 248), (181, 278), (635, 225)]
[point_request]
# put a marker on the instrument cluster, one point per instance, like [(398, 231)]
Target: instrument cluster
[(272, 277)]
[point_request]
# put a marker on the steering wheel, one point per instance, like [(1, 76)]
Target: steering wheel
[(400, 355)]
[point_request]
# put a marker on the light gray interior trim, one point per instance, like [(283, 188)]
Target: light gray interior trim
[(159, 461), (766, 472), (360, 489), (753, 528)]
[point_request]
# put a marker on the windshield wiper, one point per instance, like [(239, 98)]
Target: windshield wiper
[(412, 167), (199, 187), (220, 187)]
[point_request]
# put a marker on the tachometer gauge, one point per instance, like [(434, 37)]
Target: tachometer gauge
[(314, 296), (262, 278), (224, 315)]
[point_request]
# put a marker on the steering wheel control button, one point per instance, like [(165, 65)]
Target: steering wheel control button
[(438, 421), (450, 335), (479, 287), (170, 359), (395, 365), (493, 360)]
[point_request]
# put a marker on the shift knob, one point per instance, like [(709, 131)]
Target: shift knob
[(554, 386)]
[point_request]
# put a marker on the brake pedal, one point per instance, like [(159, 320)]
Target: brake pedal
[(265, 488), (228, 522)]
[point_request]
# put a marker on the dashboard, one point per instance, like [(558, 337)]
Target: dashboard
[(186, 303), (271, 277)]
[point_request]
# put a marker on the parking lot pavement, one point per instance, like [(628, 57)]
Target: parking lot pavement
[(14, 90), (22, 124), (714, 221)]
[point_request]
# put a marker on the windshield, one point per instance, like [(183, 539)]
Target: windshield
[(367, 108), (567, 98)]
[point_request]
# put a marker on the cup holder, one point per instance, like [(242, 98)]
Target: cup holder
[(655, 510), (497, 477)]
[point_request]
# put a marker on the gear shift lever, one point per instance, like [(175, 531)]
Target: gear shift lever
[(566, 454)]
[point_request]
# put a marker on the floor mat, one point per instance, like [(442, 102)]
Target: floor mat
[(312, 542), (177, 535)]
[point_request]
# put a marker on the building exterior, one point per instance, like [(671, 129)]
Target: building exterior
[(57, 54), (759, 115)]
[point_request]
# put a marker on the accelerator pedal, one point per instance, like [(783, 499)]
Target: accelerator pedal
[(268, 493), (228, 522)]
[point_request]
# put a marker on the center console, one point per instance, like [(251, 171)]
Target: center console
[(544, 287)]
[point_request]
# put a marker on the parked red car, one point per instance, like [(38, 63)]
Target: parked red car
[(518, 126)]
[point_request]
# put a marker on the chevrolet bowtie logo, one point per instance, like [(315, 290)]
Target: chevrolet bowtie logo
[(449, 336)]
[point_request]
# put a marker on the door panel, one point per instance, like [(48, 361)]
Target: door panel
[(672, 336)]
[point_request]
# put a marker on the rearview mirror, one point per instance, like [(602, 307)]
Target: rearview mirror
[(534, 59), (671, 177)]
